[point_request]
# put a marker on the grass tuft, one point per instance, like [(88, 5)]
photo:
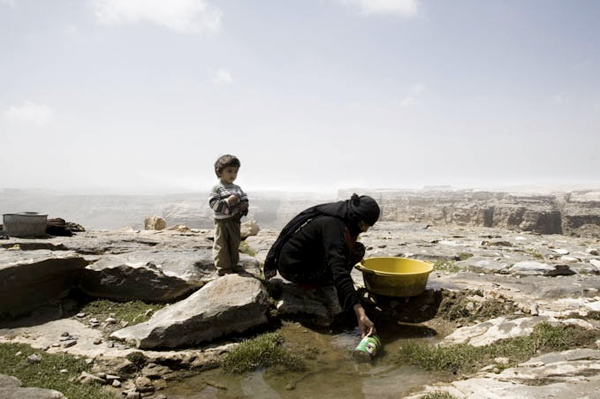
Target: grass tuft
[(133, 312), (461, 358), (446, 265), (438, 395), (263, 351), (245, 249), (53, 371), (464, 256)]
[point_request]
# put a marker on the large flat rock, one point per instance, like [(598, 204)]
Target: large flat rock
[(30, 279), (229, 304)]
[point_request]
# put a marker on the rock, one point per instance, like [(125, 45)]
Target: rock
[(11, 388), (154, 222), (483, 264), (573, 373), (319, 306), (87, 378), (539, 268), (493, 330), (31, 280), (153, 371), (230, 304), (58, 227), (146, 276), (35, 358), (180, 228), (249, 228), (143, 385), (132, 395)]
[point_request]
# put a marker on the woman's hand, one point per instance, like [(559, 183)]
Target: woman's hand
[(365, 325)]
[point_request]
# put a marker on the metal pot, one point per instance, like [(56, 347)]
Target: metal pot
[(24, 224)]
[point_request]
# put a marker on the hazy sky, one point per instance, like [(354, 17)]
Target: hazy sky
[(144, 95)]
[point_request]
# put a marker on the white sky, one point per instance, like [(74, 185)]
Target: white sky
[(144, 95)]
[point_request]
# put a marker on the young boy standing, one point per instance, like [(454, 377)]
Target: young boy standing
[(229, 203)]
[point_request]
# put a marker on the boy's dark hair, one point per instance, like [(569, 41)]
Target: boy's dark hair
[(225, 161)]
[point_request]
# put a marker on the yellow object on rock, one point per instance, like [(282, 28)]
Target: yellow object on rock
[(397, 277)]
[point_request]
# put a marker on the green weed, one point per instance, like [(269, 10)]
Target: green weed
[(446, 265), (464, 256), (263, 351), (461, 358), (245, 249), (132, 312), (438, 395), (53, 371)]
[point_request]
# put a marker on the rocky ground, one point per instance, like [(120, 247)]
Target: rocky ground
[(488, 284)]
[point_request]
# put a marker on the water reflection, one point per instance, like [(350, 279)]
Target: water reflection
[(331, 370)]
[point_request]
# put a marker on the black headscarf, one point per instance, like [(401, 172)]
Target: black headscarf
[(352, 211)]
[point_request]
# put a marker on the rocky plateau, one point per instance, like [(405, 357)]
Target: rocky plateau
[(485, 247)]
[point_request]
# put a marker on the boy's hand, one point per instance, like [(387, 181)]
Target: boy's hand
[(233, 199), (244, 207)]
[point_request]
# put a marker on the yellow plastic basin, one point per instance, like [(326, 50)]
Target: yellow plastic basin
[(400, 277)]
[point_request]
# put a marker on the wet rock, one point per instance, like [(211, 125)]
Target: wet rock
[(229, 304)]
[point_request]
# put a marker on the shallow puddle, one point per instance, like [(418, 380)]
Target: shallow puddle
[(332, 372)]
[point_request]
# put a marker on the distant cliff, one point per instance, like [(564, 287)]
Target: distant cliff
[(572, 213)]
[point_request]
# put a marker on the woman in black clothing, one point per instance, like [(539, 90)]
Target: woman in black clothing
[(319, 247)]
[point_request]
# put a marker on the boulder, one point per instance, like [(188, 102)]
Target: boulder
[(31, 279), (249, 228), (144, 281), (58, 227), (153, 275), (230, 304), (318, 306), (154, 222), (12, 388)]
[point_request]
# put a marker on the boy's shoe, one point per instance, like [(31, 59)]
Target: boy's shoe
[(233, 270)]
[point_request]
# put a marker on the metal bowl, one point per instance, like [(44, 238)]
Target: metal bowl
[(24, 224), (397, 277)]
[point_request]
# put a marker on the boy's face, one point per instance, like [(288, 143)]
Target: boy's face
[(229, 174)]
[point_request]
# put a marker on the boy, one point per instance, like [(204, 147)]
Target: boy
[(229, 203)]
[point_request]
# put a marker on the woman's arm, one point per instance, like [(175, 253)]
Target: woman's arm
[(365, 324)]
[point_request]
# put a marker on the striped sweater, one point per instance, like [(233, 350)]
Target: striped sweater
[(217, 200)]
